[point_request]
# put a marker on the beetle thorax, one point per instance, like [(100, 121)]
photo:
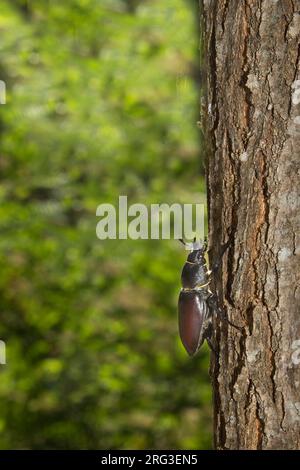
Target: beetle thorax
[(194, 273)]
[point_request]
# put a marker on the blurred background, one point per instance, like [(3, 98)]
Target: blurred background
[(102, 100)]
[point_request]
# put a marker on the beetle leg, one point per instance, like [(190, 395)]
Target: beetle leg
[(211, 346), (204, 247), (217, 264), (215, 308), (208, 333)]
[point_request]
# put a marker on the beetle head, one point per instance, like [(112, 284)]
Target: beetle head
[(198, 250)]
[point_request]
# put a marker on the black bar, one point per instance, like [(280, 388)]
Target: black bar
[(138, 458)]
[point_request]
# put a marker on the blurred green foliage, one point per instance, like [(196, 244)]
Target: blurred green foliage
[(101, 101)]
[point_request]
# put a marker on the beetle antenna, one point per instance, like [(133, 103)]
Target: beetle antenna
[(182, 241)]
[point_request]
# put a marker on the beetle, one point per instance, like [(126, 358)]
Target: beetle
[(196, 303)]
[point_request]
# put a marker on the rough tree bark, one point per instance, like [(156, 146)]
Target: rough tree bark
[(253, 118)]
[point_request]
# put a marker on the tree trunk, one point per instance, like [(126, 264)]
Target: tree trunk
[(253, 120)]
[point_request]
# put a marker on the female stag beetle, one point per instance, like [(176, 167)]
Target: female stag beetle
[(197, 304)]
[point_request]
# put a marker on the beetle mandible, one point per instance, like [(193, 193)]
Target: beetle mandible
[(196, 303)]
